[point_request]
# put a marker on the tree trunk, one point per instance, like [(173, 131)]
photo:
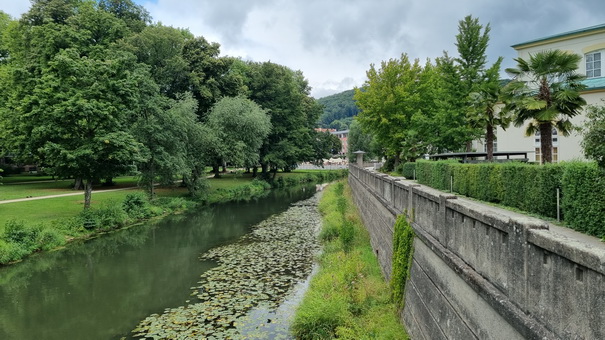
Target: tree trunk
[(489, 141), (264, 167), (224, 167), (216, 169), (87, 193), (254, 171), (469, 146), (78, 184), (546, 142)]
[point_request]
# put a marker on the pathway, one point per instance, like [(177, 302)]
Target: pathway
[(60, 195)]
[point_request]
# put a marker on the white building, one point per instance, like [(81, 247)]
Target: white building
[(590, 44)]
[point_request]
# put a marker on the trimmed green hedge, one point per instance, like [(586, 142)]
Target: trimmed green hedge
[(528, 187)]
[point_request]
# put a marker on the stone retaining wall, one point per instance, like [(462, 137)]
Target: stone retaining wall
[(481, 272)]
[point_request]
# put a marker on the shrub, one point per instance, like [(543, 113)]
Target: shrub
[(10, 252), (18, 233), (135, 205), (407, 169), (50, 238), (529, 187), (583, 194)]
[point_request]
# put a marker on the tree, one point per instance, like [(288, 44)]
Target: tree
[(71, 93), (546, 91), (483, 111), (326, 145), (358, 140), (160, 127), (472, 44), (388, 100), (209, 74), (161, 48), (240, 126), (5, 21), (594, 134), (284, 93), (135, 16)]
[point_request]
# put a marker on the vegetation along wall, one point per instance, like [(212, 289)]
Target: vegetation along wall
[(481, 272)]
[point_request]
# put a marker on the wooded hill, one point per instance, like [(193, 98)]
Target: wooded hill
[(339, 110)]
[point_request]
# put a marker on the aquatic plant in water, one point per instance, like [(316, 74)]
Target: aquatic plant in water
[(259, 270)]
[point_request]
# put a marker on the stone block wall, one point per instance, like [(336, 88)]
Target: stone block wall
[(481, 272)]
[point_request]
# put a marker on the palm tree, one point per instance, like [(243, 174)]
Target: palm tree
[(546, 91), (483, 112)]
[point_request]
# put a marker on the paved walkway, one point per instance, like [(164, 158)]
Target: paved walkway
[(60, 195)]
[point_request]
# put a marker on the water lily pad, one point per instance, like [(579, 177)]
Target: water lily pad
[(258, 271)]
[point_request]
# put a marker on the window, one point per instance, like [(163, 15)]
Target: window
[(555, 155), (593, 64)]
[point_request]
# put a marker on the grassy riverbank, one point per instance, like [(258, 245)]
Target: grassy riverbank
[(348, 298), (31, 226)]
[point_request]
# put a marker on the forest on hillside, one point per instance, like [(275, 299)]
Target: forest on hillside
[(338, 110)]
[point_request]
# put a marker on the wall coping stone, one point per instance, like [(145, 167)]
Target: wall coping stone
[(582, 249)]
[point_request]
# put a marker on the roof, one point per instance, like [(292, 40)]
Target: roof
[(564, 36), (339, 132), (594, 84)]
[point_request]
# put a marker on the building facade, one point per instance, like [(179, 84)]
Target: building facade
[(590, 44)]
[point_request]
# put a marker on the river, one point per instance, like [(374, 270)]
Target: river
[(102, 288)]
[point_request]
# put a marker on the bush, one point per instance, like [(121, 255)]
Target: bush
[(407, 169), (18, 233), (50, 238), (136, 205), (583, 188), (532, 188)]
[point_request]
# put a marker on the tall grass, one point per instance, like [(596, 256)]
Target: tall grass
[(348, 298)]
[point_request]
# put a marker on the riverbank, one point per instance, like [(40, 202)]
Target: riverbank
[(51, 223), (348, 298)]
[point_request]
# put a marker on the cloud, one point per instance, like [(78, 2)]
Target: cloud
[(334, 41)]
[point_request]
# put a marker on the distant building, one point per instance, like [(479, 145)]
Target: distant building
[(343, 136)]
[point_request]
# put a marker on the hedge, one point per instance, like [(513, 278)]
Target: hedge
[(531, 188)]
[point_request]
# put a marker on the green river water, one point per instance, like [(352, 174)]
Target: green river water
[(102, 288)]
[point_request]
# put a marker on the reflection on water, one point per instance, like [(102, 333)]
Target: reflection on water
[(100, 289)]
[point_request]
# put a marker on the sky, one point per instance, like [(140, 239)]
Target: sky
[(334, 42)]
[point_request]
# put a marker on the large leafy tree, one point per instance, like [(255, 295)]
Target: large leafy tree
[(483, 110), (388, 100), (161, 48), (209, 76), (161, 125), (71, 92), (546, 92), (240, 126), (284, 93)]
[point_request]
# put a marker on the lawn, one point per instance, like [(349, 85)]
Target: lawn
[(50, 209), (24, 189)]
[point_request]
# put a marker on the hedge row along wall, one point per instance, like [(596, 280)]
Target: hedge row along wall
[(531, 188)]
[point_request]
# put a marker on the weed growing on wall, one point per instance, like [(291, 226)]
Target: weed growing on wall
[(403, 249)]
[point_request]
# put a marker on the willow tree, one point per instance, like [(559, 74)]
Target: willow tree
[(546, 92)]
